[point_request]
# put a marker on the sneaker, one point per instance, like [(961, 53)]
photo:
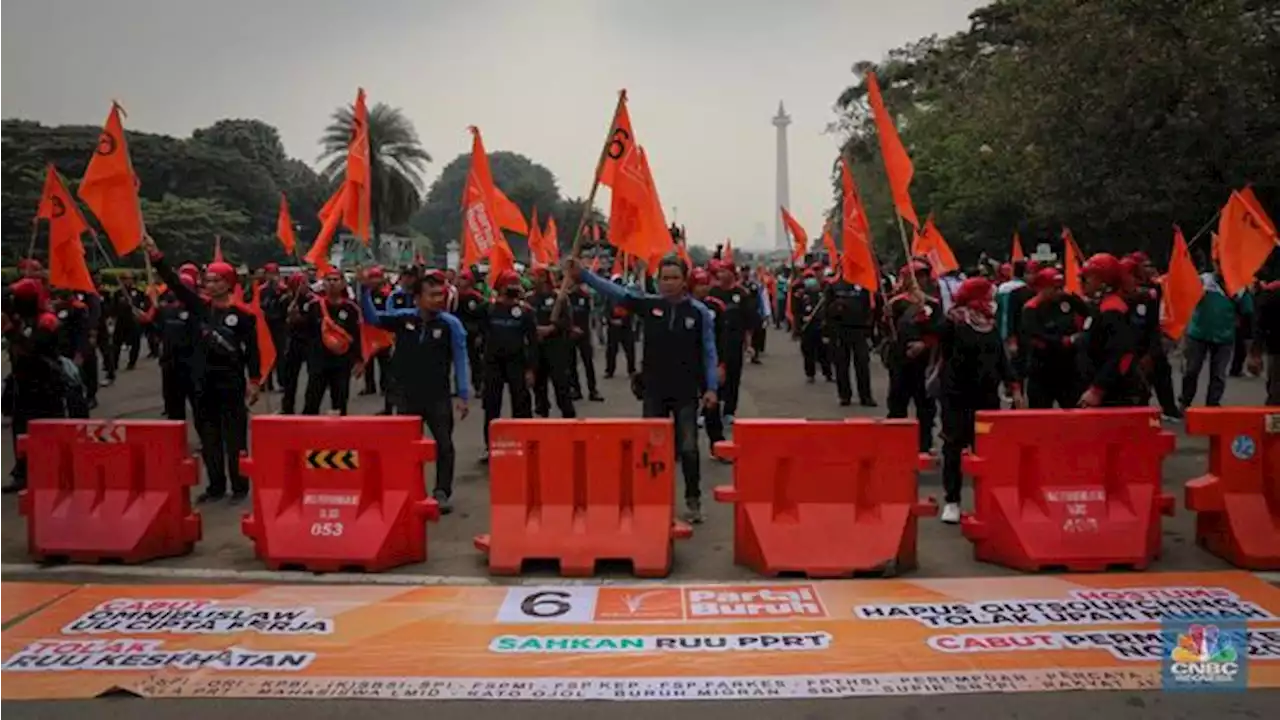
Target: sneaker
[(442, 499), (209, 497), (870, 403), (951, 513), (595, 397), (693, 511), (1175, 416), (107, 382), (845, 402), (484, 456), (14, 487), (239, 497)]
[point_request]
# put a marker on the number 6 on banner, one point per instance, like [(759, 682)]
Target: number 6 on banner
[(548, 604)]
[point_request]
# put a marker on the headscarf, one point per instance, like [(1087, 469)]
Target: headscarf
[(973, 304)]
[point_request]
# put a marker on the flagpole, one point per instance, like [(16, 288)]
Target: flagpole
[(1204, 228), (589, 206), (35, 230)]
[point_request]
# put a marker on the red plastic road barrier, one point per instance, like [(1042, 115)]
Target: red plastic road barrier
[(334, 493), (827, 499), (580, 491), (1238, 501), (1076, 489), (108, 491)]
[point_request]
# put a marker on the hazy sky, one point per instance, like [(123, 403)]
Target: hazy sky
[(540, 77)]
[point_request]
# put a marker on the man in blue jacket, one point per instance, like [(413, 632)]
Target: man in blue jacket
[(428, 342)]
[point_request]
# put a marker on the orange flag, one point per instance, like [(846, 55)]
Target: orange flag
[(683, 252), (1246, 238), (829, 243), (636, 223), (857, 266), (284, 226), (1182, 289), (726, 253), (550, 243), (536, 256), (266, 345), (1016, 254), (896, 161), (357, 214), (622, 143), (217, 249), (110, 187), (509, 215), (1071, 264), (330, 215), (67, 268), (931, 244), (481, 233), (619, 269), (799, 238)]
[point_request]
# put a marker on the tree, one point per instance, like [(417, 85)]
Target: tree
[(527, 183), (253, 140), (186, 227), (397, 156), (1115, 118), (568, 213)]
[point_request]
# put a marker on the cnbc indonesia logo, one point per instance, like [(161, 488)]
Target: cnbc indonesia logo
[(1205, 655)]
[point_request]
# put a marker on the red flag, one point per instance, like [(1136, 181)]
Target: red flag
[(1016, 254), (1072, 262), (683, 252), (266, 345), (110, 187), (637, 224), (621, 145), (537, 257), (284, 226), (1246, 238), (829, 243), (373, 339), (857, 265), (217, 249), (67, 268), (896, 161), (1182, 289), (481, 233), (357, 214), (798, 236), (509, 215), (619, 269), (330, 215), (726, 253), (550, 243), (931, 244)]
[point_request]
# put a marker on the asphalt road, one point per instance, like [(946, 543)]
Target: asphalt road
[(776, 388)]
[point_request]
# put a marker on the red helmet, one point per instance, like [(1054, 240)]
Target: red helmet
[(375, 273), (271, 267), (700, 276), (808, 273), (26, 289), (467, 275), (222, 270), (188, 280), (1105, 267), (297, 280), (505, 278), (1047, 277), (975, 290)]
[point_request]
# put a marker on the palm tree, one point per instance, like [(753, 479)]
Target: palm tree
[(398, 158)]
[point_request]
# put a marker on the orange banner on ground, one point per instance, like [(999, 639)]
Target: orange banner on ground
[(19, 598), (650, 642)]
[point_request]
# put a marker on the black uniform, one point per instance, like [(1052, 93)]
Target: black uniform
[(510, 351), (1108, 360), (912, 322), (275, 309), (380, 363), (1266, 334), (555, 358), (580, 334), (620, 334), (758, 328), (327, 370), (472, 312), (226, 351), (178, 335), (1047, 352), (847, 323), (35, 388), (300, 335), (740, 315), (93, 336), (132, 311), (814, 337), (1157, 374), (712, 419)]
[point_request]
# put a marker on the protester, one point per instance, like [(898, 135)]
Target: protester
[(297, 347), (974, 366), (1266, 339), (178, 342), (620, 333), (679, 360), (740, 317), (131, 308), (1109, 373), (226, 354), (580, 308), (275, 310), (555, 349), (914, 318), (335, 320), (510, 353), (429, 342), (700, 288), (1050, 324), (1211, 337), (36, 387), (846, 323), (1155, 363), (380, 363), (806, 303), (471, 310)]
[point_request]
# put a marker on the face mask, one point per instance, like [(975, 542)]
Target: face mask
[(810, 283)]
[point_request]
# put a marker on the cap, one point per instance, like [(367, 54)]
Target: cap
[(223, 270)]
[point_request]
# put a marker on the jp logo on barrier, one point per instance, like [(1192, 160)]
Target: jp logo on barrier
[(581, 491), (331, 493), (1078, 490), (1238, 501), (108, 491), (826, 499)]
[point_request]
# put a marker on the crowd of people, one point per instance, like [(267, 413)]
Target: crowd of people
[(1004, 336)]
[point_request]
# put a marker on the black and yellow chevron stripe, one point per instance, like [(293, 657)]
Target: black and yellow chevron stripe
[(333, 459)]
